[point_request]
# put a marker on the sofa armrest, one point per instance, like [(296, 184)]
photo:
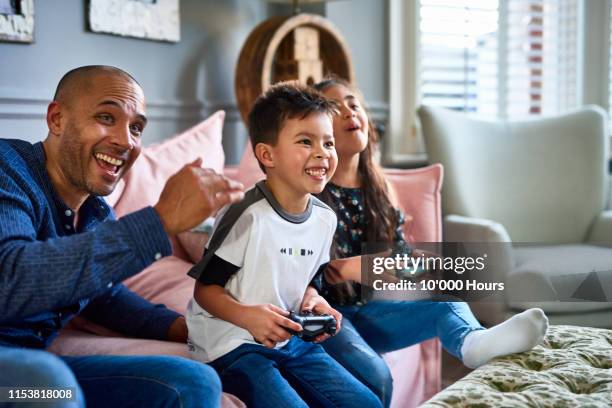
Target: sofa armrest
[(601, 232), (478, 236), (458, 228), (485, 235)]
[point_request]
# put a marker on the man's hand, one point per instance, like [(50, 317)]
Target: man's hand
[(268, 324), (192, 195), (178, 330), (313, 302)]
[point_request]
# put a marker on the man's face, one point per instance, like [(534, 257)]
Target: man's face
[(304, 156), (101, 137)]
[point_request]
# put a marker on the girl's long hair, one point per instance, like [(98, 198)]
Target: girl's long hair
[(380, 216)]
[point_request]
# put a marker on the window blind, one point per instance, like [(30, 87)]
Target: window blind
[(506, 58)]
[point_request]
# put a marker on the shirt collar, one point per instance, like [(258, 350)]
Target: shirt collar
[(294, 218)]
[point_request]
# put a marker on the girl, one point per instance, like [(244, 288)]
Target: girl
[(359, 194)]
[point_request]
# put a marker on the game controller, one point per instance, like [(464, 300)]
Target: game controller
[(313, 325)]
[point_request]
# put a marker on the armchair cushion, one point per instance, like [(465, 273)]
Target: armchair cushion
[(561, 278)]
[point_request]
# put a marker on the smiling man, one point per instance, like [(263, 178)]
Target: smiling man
[(62, 252)]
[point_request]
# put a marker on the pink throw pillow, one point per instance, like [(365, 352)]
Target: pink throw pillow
[(418, 193), (193, 243), (165, 281), (249, 171), (146, 179)]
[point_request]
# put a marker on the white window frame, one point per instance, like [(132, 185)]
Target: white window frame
[(404, 144)]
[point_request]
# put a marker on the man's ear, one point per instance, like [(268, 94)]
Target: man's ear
[(264, 154), (54, 118)]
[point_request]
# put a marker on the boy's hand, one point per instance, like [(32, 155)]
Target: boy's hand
[(313, 302), (268, 324)]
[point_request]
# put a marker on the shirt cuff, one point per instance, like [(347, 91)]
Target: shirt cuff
[(148, 235), (163, 320)]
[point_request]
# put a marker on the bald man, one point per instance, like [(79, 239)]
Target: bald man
[(62, 252)]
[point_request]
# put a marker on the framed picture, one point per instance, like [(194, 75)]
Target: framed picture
[(148, 19), (17, 20)]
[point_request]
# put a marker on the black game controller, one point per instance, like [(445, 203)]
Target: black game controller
[(313, 325)]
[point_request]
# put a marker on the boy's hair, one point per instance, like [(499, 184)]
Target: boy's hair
[(284, 100)]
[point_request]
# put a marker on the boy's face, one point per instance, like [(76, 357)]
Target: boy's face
[(304, 158)]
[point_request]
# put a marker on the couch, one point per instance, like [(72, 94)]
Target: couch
[(536, 191), (416, 370)]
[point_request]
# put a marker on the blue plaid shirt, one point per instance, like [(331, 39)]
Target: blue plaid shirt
[(49, 272)]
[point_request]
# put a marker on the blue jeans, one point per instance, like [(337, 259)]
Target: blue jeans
[(115, 381), (382, 326), (298, 375), (37, 369)]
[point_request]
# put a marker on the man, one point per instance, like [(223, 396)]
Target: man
[(62, 253)]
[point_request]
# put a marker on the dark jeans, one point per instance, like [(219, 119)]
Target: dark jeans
[(298, 375), (114, 381), (382, 326)]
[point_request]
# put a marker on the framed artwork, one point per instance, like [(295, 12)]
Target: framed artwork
[(148, 19), (17, 20)]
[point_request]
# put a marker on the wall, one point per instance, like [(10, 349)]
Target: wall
[(364, 25), (183, 82)]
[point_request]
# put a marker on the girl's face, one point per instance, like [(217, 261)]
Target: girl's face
[(351, 125)]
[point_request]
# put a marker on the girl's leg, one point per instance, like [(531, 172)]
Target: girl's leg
[(392, 325), (389, 325)]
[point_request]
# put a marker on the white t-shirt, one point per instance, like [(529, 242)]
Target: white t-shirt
[(260, 254)]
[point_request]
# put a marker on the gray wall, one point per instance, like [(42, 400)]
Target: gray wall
[(183, 82)]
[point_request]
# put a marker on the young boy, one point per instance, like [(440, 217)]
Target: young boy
[(262, 258)]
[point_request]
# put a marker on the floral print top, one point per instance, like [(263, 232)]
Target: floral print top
[(350, 235)]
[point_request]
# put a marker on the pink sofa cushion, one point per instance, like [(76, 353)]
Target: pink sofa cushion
[(165, 281), (418, 193), (145, 181), (249, 172), (193, 243)]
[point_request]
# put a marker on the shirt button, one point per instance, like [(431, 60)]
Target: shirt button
[(67, 226), (39, 334), (110, 285), (68, 213), (158, 256)]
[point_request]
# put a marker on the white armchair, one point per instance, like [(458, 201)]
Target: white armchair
[(541, 186)]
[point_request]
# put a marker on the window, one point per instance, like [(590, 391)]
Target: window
[(506, 58)]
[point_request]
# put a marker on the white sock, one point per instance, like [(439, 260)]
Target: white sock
[(519, 333)]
